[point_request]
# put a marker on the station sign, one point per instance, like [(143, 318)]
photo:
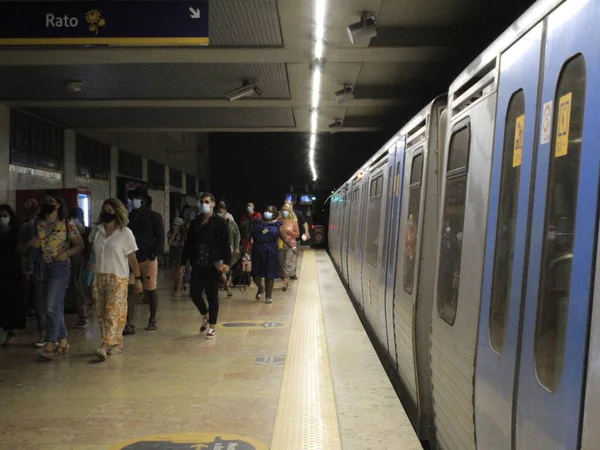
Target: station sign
[(103, 22)]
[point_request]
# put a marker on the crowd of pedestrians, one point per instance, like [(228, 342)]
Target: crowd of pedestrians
[(112, 262)]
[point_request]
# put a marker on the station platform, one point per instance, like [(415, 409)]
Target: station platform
[(297, 374)]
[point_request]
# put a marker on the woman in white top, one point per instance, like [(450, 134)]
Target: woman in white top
[(114, 250)]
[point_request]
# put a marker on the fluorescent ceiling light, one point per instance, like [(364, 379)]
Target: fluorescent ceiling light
[(319, 45), (316, 88), (314, 122), (313, 141)]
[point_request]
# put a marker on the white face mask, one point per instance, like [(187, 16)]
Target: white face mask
[(137, 203), (268, 215), (5, 221), (206, 208), (286, 213), (250, 209)]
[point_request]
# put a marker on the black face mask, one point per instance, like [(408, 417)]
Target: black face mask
[(48, 209), (107, 217)]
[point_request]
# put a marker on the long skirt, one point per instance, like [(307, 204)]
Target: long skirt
[(110, 304), (287, 262)]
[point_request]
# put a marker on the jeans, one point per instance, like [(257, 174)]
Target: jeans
[(50, 300), (206, 279)]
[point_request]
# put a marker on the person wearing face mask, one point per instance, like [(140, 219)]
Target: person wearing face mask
[(248, 219), (304, 232), (149, 232), (59, 240), (12, 303), (287, 255), (114, 247), (234, 242), (265, 264), (208, 250)]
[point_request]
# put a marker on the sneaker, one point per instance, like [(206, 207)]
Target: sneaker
[(40, 342), (211, 333), (204, 326), (269, 300), (82, 324)]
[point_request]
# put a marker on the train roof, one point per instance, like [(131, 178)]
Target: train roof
[(522, 25), (412, 123)]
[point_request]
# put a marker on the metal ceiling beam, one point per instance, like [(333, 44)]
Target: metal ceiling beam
[(205, 103), (81, 56), (226, 129)]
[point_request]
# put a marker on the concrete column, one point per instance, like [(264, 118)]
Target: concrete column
[(4, 154), (145, 169), (114, 170), (70, 165), (184, 182)]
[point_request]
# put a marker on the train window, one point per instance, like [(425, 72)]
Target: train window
[(453, 219), (412, 222), (373, 220), (507, 219), (559, 224), (353, 220)]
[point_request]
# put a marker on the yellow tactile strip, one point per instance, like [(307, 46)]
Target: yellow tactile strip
[(306, 414)]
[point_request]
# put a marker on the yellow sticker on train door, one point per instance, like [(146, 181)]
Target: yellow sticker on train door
[(563, 124), (397, 184), (518, 148)]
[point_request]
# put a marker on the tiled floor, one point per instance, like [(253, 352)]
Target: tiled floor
[(173, 382)]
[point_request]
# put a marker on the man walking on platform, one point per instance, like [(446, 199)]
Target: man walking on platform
[(208, 251), (149, 232)]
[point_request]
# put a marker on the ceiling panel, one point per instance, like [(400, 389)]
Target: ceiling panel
[(109, 118), (428, 12), (140, 81), (244, 23)]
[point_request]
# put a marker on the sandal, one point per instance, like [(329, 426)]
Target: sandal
[(229, 293), (151, 326), (101, 354), (115, 350), (61, 350), (129, 329)]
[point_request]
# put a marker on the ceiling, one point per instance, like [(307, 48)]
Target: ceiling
[(422, 45)]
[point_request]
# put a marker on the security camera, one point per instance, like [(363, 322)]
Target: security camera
[(345, 94), (336, 126), (363, 30), (246, 90)]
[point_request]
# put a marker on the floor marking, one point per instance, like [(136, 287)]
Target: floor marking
[(200, 441), (306, 414)]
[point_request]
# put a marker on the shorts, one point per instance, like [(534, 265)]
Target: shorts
[(149, 272), (174, 255)]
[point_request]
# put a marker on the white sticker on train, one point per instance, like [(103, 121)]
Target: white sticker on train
[(546, 123)]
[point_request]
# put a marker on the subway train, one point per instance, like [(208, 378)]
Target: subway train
[(469, 244)]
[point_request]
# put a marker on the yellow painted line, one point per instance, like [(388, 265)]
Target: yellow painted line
[(106, 41), (306, 414)]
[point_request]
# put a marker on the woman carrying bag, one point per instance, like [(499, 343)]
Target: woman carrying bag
[(58, 240)]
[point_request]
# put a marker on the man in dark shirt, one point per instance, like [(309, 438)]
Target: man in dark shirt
[(208, 251), (149, 231)]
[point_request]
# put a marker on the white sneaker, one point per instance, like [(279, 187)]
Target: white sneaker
[(269, 300), (204, 326), (211, 333)]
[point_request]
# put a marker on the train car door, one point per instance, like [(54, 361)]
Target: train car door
[(506, 241), (355, 240), (563, 235), (347, 206), (395, 182)]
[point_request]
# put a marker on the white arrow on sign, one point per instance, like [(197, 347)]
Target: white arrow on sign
[(194, 13)]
